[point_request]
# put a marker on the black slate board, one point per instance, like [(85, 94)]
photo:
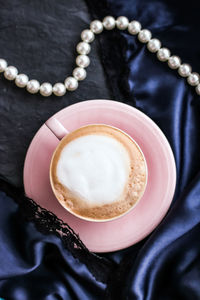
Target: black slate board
[(40, 38)]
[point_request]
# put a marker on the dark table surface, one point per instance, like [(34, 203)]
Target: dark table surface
[(40, 40)]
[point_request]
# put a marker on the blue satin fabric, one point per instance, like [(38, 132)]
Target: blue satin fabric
[(36, 266), (166, 265)]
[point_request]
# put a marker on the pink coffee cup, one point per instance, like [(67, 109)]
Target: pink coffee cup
[(62, 133)]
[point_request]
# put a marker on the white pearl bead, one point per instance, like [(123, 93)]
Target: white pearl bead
[(83, 48), (82, 61), (33, 86), (144, 35), (46, 89), (10, 73), (59, 89), (198, 89), (184, 70), (96, 26), (154, 45), (71, 83), (3, 65), (134, 27), (21, 80), (109, 23), (174, 62), (163, 54), (87, 35), (193, 79), (122, 23), (79, 73)]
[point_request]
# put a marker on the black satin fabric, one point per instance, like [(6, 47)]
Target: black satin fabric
[(166, 265)]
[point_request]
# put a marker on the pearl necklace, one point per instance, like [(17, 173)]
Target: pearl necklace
[(83, 61)]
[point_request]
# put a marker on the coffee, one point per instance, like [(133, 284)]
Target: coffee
[(98, 172)]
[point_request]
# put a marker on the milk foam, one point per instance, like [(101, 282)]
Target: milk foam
[(95, 168)]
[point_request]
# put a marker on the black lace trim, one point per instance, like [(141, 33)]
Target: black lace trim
[(113, 48), (47, 223)]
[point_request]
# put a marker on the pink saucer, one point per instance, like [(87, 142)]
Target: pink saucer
[(138, 223)]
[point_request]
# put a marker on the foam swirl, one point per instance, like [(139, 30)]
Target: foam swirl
[(95, 167)]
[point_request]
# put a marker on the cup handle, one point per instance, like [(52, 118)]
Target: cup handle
[(56, 127)]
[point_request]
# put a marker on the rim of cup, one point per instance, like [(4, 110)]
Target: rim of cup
[(87, 218)]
